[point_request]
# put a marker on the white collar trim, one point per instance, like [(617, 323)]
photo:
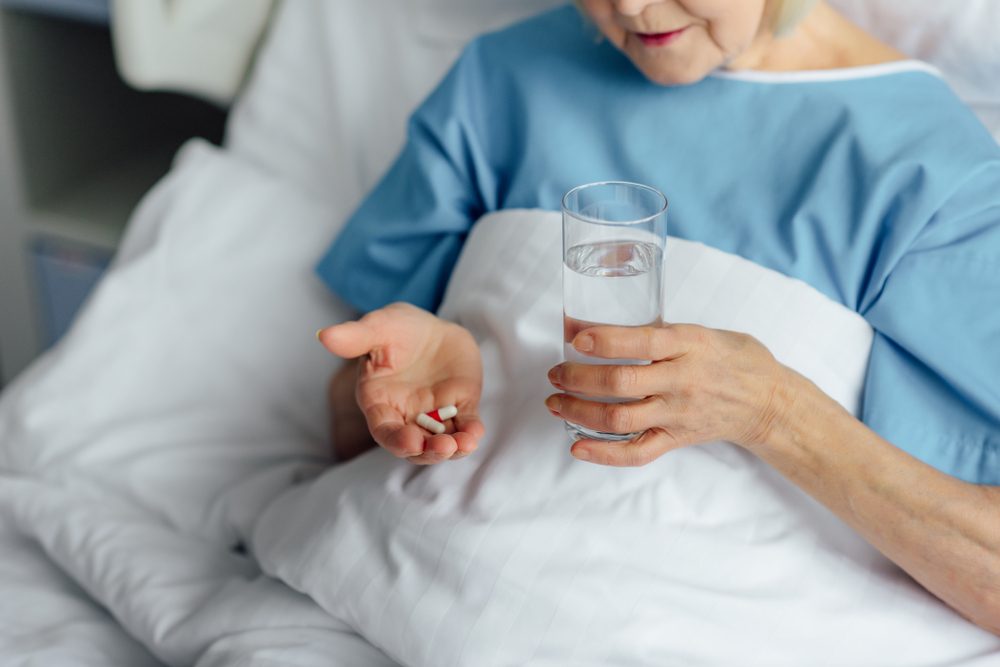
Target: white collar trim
[(843, 74)]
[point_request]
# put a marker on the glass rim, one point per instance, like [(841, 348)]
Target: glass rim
[(586, 218)]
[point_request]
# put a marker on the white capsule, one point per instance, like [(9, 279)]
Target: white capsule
[(430, 424), (445, 413)]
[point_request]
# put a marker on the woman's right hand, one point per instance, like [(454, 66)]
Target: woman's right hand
[(414, 362)]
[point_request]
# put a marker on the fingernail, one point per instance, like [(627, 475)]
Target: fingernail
[(555, 376), (554, 404), (581, 454), (584, 343), (319, 332)]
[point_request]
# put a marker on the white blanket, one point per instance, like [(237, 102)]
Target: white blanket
[(521, 555)]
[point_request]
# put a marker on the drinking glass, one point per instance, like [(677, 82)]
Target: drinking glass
[(614, 242)]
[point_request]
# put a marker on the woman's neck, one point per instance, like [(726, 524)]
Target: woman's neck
[(824, 39)]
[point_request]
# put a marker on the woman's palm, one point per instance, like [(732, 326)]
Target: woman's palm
[(415, 363)]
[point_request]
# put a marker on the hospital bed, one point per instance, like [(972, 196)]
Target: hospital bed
[(165, 494)]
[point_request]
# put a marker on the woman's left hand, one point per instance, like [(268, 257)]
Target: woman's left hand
[(701, 385)]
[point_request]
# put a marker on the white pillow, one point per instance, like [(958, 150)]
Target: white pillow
[(959, 38), (191, 384), (335, 82), (202, 47)]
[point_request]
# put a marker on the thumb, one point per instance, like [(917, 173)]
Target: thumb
[(348, 340)]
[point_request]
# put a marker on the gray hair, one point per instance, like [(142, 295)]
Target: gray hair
[(786, 14)]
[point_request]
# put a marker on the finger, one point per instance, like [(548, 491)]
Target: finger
[(468, 431), (348, 340), (440, 447), (625, 381), (652, 343), (466, 443), (639, 451), (448, 447), (437, 449), (423, 460), (406, 442), (631, 417), (389, 430)]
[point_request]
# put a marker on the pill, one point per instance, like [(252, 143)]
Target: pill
[(443, 414), (430, 424)]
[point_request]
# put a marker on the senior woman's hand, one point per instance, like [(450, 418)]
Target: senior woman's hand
[(410, 361), (701, 385), (706, 384)]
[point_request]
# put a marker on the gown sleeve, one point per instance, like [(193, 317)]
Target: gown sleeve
[(404, 240), (933, 384)]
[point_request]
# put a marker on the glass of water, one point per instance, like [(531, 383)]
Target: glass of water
[(614, 242)]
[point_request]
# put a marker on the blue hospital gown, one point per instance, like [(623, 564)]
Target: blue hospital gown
[(876, 186)]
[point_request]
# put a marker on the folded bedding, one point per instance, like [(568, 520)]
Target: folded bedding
[(47, 619), (178, 597)]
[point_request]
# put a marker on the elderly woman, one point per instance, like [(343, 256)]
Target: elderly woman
[(782, 133)]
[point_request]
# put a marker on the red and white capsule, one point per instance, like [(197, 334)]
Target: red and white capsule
[(434, 420)]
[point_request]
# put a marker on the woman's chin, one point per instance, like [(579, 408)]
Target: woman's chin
[(669, 76)]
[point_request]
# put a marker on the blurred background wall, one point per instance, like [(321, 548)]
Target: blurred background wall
[(78, 149)]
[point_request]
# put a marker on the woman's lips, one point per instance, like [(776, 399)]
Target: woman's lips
[(659, 38)]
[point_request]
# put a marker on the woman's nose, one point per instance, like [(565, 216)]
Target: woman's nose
[(633, 7)]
